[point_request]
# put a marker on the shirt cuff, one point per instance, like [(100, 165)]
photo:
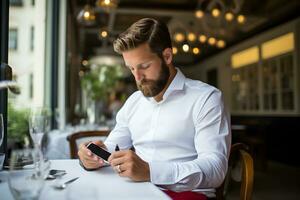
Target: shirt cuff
[(162, 173)]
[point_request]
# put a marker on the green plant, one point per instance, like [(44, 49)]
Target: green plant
[(100, 80), (17, 123)]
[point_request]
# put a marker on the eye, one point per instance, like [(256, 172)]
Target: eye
[(145, 66)]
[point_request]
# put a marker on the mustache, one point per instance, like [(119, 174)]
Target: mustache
[(144, 81)]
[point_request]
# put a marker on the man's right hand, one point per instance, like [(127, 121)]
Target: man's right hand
[(88, 159)]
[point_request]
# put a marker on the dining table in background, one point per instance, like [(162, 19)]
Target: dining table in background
[(58, 146)]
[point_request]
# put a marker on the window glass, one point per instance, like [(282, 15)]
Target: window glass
[(27, 25), (13, 39)]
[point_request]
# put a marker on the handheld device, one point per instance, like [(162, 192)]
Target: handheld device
[(102, 153)]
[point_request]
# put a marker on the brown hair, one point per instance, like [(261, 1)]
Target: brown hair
[(149, 30)]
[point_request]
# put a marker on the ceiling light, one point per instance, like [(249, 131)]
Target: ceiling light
[(191, 37), (229, 16), (107, 5), (215, 12), (179, 37), (87, 15), (221, 44), (185, 47), (202, 38), (85, 63), (199, 14), (174, 50), (103, 33), (196, 50), (212, 41), (241, 19), (81, 73)]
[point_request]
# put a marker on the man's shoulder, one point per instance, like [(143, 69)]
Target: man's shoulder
[(200, 87), (137, 95)]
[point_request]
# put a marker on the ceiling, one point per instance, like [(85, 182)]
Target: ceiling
[(179, 15)]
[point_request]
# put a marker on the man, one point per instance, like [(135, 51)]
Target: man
[(177, 126)]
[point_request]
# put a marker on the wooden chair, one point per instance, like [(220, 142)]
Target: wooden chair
[(82, 134), (238, 154)]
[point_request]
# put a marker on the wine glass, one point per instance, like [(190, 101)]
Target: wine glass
[(2, 155), (39, 126), (1, 130), (26, 176)]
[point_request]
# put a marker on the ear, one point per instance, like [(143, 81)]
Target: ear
[(167, 55)]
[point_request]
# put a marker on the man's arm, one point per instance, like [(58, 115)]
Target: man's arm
[(212, 142)]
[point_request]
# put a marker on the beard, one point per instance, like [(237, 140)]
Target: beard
[(151, 88)]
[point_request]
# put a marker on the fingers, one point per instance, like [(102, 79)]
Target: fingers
[(88, 159), (119, 154), (100, 144), (117, 161)]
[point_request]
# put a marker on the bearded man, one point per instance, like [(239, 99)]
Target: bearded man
[(177, 126)]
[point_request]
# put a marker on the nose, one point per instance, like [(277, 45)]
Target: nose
[(138, 75)]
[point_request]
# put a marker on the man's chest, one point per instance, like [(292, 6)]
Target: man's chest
[(162, 122)]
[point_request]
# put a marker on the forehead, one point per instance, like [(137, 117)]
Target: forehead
[(138, 55)]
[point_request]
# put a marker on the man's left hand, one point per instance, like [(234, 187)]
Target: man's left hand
[(128, 164)]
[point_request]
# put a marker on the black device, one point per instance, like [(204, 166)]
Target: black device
[(102, 153)]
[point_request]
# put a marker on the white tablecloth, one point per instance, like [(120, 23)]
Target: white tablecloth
[(104, 184), (58, 145)]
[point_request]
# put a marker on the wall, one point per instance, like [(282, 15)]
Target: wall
[(278, 133)]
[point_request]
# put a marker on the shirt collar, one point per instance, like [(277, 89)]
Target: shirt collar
[(176, 84)]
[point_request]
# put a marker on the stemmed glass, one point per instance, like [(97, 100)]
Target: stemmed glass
[(1, 130), (26, 176), (39, 125), (2, 155)]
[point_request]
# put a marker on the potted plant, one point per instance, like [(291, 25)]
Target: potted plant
[(97, 84)]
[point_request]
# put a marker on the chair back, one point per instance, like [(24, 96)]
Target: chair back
[(238, 156), (80, 135)]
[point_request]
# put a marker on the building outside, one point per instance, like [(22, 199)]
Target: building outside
[(27, 50)]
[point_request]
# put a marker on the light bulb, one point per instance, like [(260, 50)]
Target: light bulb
[(202, 38), (179, 37), (215, 12), (212, 41), (174, 50), (185, 47), (241, 19), (199, 14), (191, 37), (196, 50), (229, 16), (85, 62), (221, 44), (104, 34)]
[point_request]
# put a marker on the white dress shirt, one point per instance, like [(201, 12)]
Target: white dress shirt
[(185, 138)]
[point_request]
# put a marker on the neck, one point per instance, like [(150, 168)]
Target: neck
[(173, 72)]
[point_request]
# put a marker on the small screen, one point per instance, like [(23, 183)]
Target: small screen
[(102, 153)]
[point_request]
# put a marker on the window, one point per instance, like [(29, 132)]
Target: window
[(31, 38), (16, 3), (278, 83), (245, 88), (31, 86), (278, 46), (267, 86), (245, 57), (13, 39)]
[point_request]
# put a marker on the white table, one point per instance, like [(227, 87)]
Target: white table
[(104, 182), (58, 147)]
